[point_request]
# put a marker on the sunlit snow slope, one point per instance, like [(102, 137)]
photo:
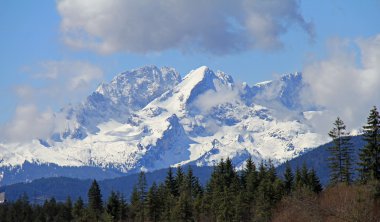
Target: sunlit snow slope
[(150, 118)]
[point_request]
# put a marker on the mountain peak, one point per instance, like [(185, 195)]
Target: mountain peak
[(150, 118), (126, 93), (198, 74)]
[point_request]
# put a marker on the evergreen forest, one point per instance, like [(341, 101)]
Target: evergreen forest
[(254, 193)]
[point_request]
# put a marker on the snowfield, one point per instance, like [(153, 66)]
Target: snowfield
[(150, 118)]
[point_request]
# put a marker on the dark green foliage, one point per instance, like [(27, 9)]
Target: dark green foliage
[(306, 179), (249, 195), (113, 207), (191, 184), (67, 210), (178, 181), (288, 179), (153, 204), (138, 198), (78, 209), (369, 165), (170, 182), (340, 159), (183, 210), (313, 182), (95, 203)]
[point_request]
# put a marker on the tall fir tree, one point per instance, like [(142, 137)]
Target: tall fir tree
[(78, 209), (298, 178), (113, 207), (250, 182), (288, 178), (313, 182), (142, 192), (340, 159), (95, 203), (179, 178), (170, 182), (135, 206), (153, 204), (369, 164), (124, 208), (192, 184), (183, 210), (67, 210), (304, 175)]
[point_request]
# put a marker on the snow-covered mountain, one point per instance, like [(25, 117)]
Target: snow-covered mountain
[(150, 118)]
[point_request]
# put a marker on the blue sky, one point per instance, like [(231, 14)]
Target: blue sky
[(35, 43)]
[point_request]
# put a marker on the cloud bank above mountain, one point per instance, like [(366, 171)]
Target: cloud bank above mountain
[(214, 26), (60, 82), (346, 83)]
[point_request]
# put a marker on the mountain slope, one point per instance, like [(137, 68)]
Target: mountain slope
[(148, 119), (317, 159), (61, 187), (42, 189)]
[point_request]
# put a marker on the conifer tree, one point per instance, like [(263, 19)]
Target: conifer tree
[(124, 211), (51, 209), (250, 183), (179, 178), (288, 178), (95, 203), (304, 175), (183, 210), (369, 165), (170, 182), (314, 183), (113, 207), (264, 199), (340, 159), (249, 168), (153, 203), (139, 205), (230, 173), (192, 184), (298, 178), (78, 209), (271, 172), (262, 171), (67, 210), (135, 205)]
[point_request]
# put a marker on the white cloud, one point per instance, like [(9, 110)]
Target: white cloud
[(211, 98), (59, 83), (346, 83), (214, 26), (29, 123), (72, 75)]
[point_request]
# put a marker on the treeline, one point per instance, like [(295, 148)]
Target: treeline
[(248, 195), (346, 198), (341, 160), (255, 193)]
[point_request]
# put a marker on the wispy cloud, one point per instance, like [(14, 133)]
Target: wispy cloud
[(29, 123), (73, 76), (213, 26), (211, 98), (59, 83), (345, 83)]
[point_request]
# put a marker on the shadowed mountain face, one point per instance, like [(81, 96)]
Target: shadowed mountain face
[(60, 187), (317, 159), (150, 118)]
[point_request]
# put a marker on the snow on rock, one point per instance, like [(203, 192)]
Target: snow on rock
[(149, 119), (128, 92)]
